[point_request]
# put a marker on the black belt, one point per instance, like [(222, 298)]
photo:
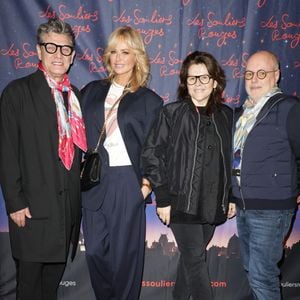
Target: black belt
[(236, 172)]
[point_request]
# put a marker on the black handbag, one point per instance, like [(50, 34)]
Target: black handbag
[(90, 169)]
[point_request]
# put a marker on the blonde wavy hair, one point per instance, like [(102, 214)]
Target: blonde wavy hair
[(135, 42)]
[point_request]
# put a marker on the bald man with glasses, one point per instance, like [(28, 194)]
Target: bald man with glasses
[(266, 173)]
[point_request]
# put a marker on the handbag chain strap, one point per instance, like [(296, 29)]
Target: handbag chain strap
[(107, 116)]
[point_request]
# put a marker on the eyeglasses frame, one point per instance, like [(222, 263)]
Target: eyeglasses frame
[(198, 77), (57, 46), (261, 70)]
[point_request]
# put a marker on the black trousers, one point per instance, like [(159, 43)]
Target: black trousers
[(38, 281), (192, 272)]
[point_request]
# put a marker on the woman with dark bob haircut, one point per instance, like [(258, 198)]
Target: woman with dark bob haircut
[(187, 160)]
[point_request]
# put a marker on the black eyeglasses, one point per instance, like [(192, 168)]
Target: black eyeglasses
[(51, 48), (204, 79), (260, 74)]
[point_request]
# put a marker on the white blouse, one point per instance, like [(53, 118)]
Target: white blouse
[(114, 143)]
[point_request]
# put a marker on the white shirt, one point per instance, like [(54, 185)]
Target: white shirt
[(114, 143)]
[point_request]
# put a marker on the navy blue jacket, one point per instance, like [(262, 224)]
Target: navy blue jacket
[(136, 113), (270, 169)]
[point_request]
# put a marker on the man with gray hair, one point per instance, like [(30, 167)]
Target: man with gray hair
[(266, 173), (41, 133)]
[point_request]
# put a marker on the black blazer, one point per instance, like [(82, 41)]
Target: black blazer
[(136, 114), (32, 175)]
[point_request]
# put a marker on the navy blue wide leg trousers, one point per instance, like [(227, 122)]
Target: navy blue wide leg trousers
[(115, 237)]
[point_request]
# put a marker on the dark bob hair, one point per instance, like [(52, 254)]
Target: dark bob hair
[(214, 70)]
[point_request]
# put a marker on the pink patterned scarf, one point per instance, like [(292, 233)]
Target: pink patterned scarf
[(71, 129)]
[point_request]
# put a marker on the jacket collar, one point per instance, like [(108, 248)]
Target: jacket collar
[(42, 90), (269, 104), (190, 104)]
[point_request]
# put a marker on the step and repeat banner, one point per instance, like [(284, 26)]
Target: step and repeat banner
[(229, 29)]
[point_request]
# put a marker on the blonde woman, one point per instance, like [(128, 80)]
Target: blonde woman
[(114, 210)]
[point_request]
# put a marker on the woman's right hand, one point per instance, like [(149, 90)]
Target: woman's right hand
[(164, 214), (231, 210)]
